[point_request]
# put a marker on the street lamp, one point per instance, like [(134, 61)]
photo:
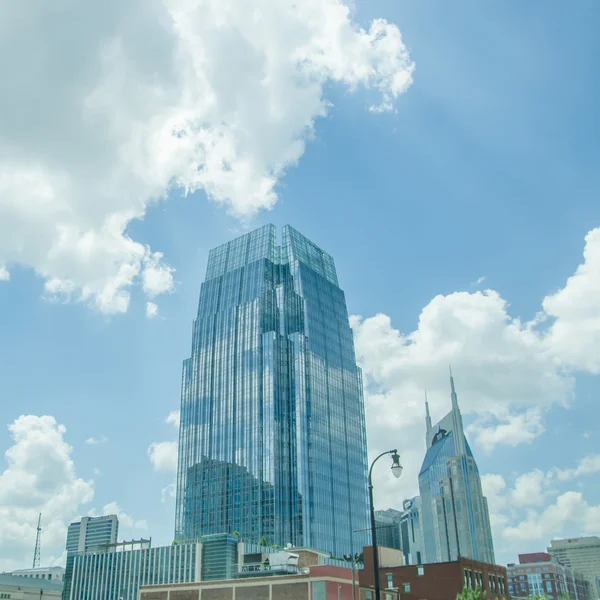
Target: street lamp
[(397, 471), (353, 560)]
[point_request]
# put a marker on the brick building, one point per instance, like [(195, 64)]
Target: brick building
[(538, 574), (436, 581), (310, 583)]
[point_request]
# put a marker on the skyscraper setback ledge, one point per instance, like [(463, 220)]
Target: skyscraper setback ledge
[(272, 442)]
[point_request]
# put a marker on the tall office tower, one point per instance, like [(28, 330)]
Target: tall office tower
[(92, 531), (583, 555), (387, 523), (411, 532), (272, 442), (455, 515)]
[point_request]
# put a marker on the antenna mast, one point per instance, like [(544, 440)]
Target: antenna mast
[(36, 553)]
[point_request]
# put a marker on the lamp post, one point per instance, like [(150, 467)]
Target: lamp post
[(353, 560), (397, 471)]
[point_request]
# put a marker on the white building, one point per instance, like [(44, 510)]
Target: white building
[(91, 532), (28, 588), (583, 555), (47, 573)]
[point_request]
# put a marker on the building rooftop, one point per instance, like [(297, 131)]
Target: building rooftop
[(30, 583)]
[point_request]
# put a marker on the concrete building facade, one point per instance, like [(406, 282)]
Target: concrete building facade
[(47, 573), (92, 531), (583, 555)]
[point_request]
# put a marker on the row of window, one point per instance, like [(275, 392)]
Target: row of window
[(474, 579)]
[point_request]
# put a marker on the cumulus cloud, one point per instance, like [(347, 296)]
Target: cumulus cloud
[(173, 418), (569, 508), (151, 310), (40, 477), (4, 274), (529, 489), (92, 441), (125, 520), (163, 456), (575, 312), (161, 95), (588, 465), (537, 506)]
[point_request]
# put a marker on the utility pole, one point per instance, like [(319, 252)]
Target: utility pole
[(36, 552)]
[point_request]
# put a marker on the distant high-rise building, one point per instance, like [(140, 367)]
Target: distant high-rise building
[(455, 515), (388, 528), (583, 555), (272, 441), (92, 531), (411, 532), (82, 536)]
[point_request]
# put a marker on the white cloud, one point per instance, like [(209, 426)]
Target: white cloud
[(588, 465), (151, 310), (167, 492), (529, 489), (161, 95), (163, 455), (40, 478), (125, 520), (510, 429), (575, 310), (173, 418), (569, 508), (4, 274), (92, 441)]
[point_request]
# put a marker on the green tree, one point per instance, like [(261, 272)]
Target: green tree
[(263, 541), (472, 594), (236, 533)]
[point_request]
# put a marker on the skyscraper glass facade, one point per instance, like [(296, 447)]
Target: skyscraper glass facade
[(454, 511), (272, 441)]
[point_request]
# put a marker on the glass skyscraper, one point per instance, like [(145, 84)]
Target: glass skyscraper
[(454, 511), (272, 441)]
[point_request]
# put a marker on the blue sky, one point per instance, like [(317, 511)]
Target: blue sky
[(484, 177)]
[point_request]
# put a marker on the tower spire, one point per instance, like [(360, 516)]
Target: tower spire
[(460, 447), (453, 390), (427, 416), (36, 552)]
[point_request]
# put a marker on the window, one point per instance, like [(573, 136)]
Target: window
[(548, 586), (389, 581), (406, 588), (420, 571)]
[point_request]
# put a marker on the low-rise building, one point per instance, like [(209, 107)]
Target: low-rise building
[(47, 573), (310, 583), (539, 574), (435, 581), (13, 587)]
